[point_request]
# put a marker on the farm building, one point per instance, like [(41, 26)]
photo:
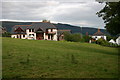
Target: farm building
[(99, 35)]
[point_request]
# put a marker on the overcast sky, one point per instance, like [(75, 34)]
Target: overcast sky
[(75, 12)]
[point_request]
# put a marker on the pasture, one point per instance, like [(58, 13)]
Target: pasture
[(57, 59)]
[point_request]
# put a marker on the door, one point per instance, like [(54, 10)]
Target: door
[(39, 36)]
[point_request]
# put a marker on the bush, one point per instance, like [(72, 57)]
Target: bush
[(102, 42), (72, 37), (6, 34), (105, 43), (86, 38)]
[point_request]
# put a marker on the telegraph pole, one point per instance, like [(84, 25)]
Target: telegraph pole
[(81, 31)]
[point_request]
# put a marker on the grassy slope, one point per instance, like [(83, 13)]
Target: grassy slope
[(53, 59)]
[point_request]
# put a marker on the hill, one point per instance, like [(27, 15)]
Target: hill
[(56, 59), (78, 29), (74, 29)]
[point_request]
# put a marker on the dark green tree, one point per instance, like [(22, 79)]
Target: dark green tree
[(86, 38), (111, 16)]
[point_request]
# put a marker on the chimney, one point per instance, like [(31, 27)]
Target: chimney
[(98, 29), (46, 21), (86, 33)]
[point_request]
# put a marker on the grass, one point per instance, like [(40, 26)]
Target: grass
[(56, 59)]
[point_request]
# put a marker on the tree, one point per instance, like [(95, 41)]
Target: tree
[(6, 34), (111, 16), (72, 37), (86, 38)]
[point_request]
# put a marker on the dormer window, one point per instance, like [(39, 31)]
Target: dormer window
[(31, 30)]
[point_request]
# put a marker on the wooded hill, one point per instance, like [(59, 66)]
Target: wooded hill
[(74, 29)]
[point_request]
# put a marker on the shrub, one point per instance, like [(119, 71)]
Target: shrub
[(67, 36), (6, 34), (105, 43), (86, 38), (102, 42), (72, 37)]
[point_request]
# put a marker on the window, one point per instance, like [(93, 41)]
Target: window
[(23, 35), (32, 30), (31, 35), (48, 36), (62, 37), (51, 30), (29, 30)]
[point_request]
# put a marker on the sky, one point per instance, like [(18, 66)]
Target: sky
[(75, 12)]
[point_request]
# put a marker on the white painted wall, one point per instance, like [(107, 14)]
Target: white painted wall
[(98, 37), (24, 37), (49, 30), (112, 41), (28, 33), (54, 30), (55, 36), (118, 40), (44, 37), (13, 36)]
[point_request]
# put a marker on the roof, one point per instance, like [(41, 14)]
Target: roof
[(98, 33), (42, 25), (35, 25)]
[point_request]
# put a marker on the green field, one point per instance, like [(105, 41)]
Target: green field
[(57, 59)]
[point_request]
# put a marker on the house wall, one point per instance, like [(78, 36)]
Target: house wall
[(23, 37), (28, 34), (112, 41), (13, 36), (54, 30), (46, 37), (54, 35), (118, 40), (98, 37)]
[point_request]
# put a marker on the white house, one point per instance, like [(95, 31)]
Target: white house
[(36, 31), (98, 35), (112, 41), (118, 40)]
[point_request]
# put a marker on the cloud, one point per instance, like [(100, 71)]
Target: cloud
[(75, 12)]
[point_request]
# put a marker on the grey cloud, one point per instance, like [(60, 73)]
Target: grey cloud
[(57, 11)]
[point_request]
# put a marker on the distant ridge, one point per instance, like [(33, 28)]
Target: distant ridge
[(74, 29)]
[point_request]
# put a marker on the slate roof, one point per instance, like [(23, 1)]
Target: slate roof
[(35, 25), (23, 27), (98, 33), (42, 25)]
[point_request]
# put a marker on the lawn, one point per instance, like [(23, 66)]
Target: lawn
[(57, 59)]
